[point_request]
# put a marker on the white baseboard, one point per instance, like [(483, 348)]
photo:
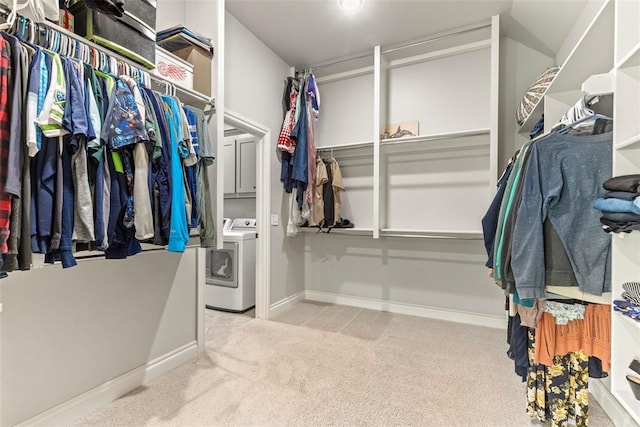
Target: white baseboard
[(610, 404), (285, 303), (106, 393), (410, 309)]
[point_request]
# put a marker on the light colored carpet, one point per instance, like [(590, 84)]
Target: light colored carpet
[(321, 364)]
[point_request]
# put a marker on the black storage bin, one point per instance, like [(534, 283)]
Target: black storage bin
[(128, 35), (144, 10)]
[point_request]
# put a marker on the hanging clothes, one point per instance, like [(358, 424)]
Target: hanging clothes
[(81, 155), (558, 392), (563, 178)]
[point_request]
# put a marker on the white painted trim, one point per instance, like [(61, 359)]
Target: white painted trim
[(200, 302), (220, 114), (610, 404), (410, 309), (379, 117), (106, 393), (263, 208), (286, 303), (494, 110)]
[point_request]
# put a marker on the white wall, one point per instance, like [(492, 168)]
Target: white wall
[(65, 332), (170, 13), (578, 28), (254, 83)]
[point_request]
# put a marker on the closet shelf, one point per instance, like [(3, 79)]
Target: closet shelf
[(347, 146), (628, 143), (188, 96), (432, 234), (632, 59), (581, 62), (349, 231), (629, 402), (629, 321), (435, 137)]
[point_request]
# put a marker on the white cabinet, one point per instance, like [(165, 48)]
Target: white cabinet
[(246, 165), (229, 159), (239, 157)]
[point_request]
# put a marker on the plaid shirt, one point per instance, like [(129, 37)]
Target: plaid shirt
[(5, 127)]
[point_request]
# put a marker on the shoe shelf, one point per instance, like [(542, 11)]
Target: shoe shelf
[(628, 321), (628, 402), (631, 142)]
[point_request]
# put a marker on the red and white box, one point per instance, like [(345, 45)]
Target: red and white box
[(174, 69)]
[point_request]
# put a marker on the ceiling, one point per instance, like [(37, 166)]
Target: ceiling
[(312, 32)]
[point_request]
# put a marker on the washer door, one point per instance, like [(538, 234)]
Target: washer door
[(222, 266)]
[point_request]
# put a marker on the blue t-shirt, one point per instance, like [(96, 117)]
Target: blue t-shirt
[(179, 234)]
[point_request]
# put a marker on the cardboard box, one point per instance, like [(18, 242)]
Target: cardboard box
[(201, 62), (174, 69)]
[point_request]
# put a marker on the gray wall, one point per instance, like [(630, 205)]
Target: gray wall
[(65, 332), (448, 275), (519, 67), (254, 82)]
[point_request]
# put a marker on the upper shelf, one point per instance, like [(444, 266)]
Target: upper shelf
[(187, 96), (593, 54), (457, 135), (435, 136)]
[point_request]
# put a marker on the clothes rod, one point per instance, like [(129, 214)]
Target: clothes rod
[(395, 49), (197, 95), (429, 236), (51, 26), (346, 146), (434, 39), (339, 61)]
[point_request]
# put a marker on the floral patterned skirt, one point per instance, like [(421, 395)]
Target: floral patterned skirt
[(558, 392)]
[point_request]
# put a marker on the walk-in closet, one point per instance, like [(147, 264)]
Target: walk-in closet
[(350, 212)]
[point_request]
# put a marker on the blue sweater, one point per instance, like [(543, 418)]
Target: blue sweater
[(564, 176), (179, 234)]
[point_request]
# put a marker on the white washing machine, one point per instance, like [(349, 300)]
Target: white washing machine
[(231, 271)]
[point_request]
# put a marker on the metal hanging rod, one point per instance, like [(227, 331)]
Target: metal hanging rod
[(339, 61), (434, 39), (426, 234), (395, 49), (346, 146), (429, 236)]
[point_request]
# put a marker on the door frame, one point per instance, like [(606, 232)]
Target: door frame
[(263, 207)]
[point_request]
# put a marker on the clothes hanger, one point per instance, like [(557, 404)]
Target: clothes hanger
[(573, 125)]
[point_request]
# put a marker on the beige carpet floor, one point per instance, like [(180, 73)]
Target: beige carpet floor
[(321, 364)]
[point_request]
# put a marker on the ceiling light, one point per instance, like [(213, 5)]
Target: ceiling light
[(350, 5)]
